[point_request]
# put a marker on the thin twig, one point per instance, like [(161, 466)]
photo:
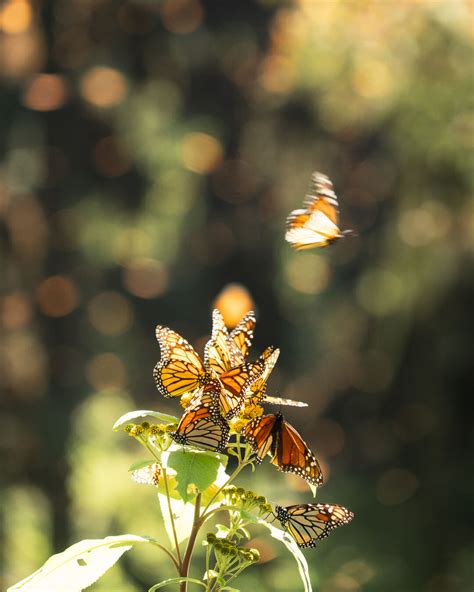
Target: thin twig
[(168, 552)]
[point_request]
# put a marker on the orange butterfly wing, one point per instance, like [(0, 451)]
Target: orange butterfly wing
[(267, 361), (292, 455), (220, 353), (223, 351), (259, 434), (201, 425), (315, 225), (180, 369), (323, 198), (242, 335)]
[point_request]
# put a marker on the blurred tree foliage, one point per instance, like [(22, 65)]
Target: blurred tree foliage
[(150, 151)]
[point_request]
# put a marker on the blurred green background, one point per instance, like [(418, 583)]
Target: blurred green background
[(150, 152)]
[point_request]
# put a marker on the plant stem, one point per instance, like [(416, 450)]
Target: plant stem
[(190, 546), (173, 527), (178, 561)]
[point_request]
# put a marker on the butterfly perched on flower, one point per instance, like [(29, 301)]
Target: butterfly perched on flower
[(317, 223), (181, 370), (202, 424), (148, 475), (309, 523), (290, 454)]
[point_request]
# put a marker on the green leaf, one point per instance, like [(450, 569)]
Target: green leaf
[(134, 415), (194, 468), (79, 566), (176, 581), (290, 544), (139, 464)]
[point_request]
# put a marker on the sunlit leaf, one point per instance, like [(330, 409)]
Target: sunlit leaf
[(79, 566), (195, 469), (140, 414)]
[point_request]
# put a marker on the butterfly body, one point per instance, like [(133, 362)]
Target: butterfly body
[(317, 224), (290, 454), (309, 523)]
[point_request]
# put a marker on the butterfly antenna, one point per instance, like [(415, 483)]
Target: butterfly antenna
[(349, 232)]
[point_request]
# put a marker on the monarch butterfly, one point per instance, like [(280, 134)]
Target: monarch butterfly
[(148, 475), (308, 523), (225, 351), (317, 224), (201, 424), (181, 371), (290, 454)]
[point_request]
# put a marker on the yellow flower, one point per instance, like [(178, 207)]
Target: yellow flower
[(251, 409), (186, 399)]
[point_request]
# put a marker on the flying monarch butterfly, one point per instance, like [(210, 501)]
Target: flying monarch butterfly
[(181, 371), (148, 475), (201, 424), (290, 454), (225, 351), (308, 523), (317, 224)]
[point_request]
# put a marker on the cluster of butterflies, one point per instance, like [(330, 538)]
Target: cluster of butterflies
[(224, 386), (317, 223)]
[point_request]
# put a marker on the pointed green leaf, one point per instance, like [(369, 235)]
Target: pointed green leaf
[(195, 469), (79, 566), (140, 414)]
